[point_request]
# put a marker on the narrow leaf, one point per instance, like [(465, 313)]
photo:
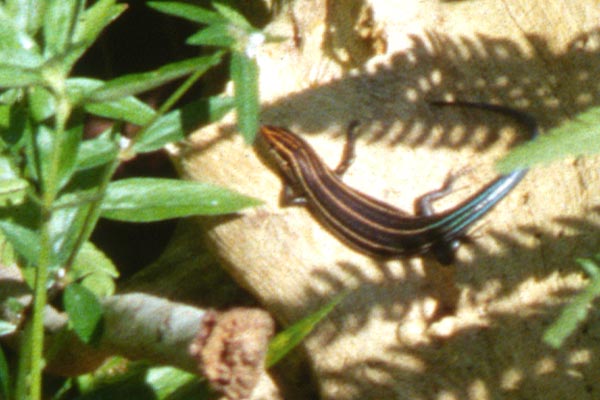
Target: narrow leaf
[(41, 103), (21, 58), (8, 170), (97, 270), (25, 241), (137, 83), (75, 213), (188, 11), (577, 137), (14, 39), (6, 328), (129, 109), (59, 20), (285, 341), (171, 383), (244, 73), (79, 89), (12, 191), (66, 144), (233, 16), (590, 267), (573, 314), (100, 284), (155, 199), (97, 151), (577, 310), (18, 133), (174, 126), (84, 310), (91, 260), (42, 154), (12, 76), (90, 25), (68, 147), (141, 381), (65, 226), (26, 15), (4, 120), (213, 35), (95, 19)]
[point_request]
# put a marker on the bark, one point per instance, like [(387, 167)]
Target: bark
[(227, 348), (410, 328)]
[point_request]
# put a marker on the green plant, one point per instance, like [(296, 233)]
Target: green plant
[(574, 138), (54, 186)]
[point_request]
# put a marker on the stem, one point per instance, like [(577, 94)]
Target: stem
[(45, 261), (177, 94), (93, 212), (37, 322)]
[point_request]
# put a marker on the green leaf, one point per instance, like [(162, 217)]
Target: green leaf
[(67, 145), (75, 214), (84, 310), (233, 16), (25, 241), (10, 97), (91, 22), (26, 15), (188, 11), (577, 137), (101, 285), (285, 341), (12, 191), (214, 35), (4, 119), (14, 39), (95, 19), (97, 270), (6, 328), (577, 310), (170, 383), (140, 381), (79, 89), (155, 199), (12, 76), (7, 170), (14, 308), (174, 126), (137, 83), (244, 73), (18, 133), (97, 151), (29, 272), (65, 226), (20, 58), (59, 20), (128, 109), (41, 103), (590, 267), (42, 153), (4, 377)]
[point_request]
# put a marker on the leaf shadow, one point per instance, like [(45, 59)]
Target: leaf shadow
[(495, 357), (483, 354), (391, 99)]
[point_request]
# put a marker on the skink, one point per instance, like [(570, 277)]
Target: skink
[(373, 226)]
